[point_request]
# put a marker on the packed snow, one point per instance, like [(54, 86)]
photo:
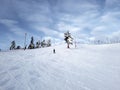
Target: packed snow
[(87, 67)]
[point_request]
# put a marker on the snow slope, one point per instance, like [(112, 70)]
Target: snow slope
[(87, 67)]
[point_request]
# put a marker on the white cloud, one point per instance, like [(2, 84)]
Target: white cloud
[(112, 3), (76, 6), (12, 26), (99, 29), (115, 35), (8, 22), (33, 10), (39, 18), (110, 17), (48, 32)]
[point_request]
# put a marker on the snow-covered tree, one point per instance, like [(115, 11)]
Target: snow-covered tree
[(68, 38), (31, 46), (13, 45), (38, 44), (43, 43), (18, 47), (48, 43)]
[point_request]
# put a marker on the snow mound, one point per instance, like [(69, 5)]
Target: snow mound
[(87, 67)]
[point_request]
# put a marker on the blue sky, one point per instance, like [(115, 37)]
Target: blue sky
[(44, 19)]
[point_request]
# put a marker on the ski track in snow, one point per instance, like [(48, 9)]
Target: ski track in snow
[(87, 67)]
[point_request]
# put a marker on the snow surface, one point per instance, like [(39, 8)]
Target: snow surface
[(87, 67)]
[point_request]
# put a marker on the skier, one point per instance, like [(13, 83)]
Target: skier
[(54, 51)]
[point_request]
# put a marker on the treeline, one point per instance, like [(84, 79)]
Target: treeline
[(32, 45), (105, 41)]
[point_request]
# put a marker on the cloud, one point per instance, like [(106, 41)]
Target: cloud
[(76, 6), (12, 26), (8, 22), (32, 10), (112, 4), (62, 27), (115, 35), (48, 32), (99, 31), (110, 17)]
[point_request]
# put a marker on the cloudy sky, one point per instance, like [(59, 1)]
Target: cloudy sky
[(43, 19)]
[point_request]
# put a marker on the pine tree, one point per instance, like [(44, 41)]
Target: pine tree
[(68, 38), (38, 44), (31, 46), (18, 47), (32, 40), (13, 45), (43, 43), (49, 43)]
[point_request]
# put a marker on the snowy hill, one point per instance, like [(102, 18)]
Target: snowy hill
[(87, 67)]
